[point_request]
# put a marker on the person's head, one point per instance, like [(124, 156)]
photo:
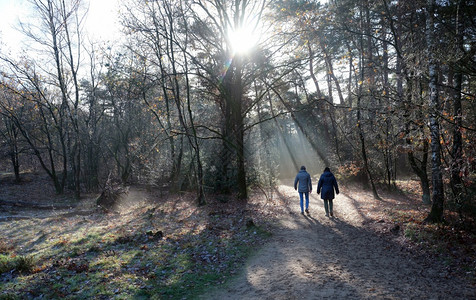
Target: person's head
[(303, 168), (326, 169)]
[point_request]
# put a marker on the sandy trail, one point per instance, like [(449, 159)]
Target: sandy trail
[(315, 257)]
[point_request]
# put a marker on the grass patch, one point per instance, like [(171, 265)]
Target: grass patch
[(123, 257)]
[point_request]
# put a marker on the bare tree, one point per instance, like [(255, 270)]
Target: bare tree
[(51, 81), (9, 130)]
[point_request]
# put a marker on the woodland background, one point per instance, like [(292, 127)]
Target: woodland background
[(380, 91)]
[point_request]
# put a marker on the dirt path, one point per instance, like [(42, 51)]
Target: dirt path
[(315, 257)]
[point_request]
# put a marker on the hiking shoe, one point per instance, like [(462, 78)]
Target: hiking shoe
[(327, 215), (332, 214), (302, 213), (307, 211)]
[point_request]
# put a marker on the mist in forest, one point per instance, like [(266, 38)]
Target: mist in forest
[(296, 151), (280, 148)]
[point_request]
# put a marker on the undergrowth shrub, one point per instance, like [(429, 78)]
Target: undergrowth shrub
[(411, 232), (5, 263), (9, 296), (464, 205), (22, 264)]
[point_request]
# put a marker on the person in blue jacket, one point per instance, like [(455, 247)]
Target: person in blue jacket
[(305, 187), (326, 185)]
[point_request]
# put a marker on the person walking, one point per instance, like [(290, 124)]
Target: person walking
[(305, 187), (326, 185)]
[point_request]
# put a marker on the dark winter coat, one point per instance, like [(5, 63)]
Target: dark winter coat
[(326, 186), (304, 180)]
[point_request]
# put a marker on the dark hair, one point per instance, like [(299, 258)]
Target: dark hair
[(303, 168), (327, 169)]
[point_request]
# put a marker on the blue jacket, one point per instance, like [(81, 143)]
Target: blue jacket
[(326, 186), (304, 180)]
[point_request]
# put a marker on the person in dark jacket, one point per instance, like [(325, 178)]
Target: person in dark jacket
[(305, 187), (326, 185)]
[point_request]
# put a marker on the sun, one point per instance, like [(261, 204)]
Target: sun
[(243, 40)]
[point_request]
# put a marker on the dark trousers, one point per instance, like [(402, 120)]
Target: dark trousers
[(328, 206)]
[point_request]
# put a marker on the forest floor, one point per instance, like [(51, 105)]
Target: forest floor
[(165, 247), (370, 249)]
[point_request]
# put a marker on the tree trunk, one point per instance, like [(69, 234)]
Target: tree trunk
[(237, 95), (457, 148), (436, 213), (364, 155), (419, 166), (420, 171), (362, 63), (311, 71), (12, 138)]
